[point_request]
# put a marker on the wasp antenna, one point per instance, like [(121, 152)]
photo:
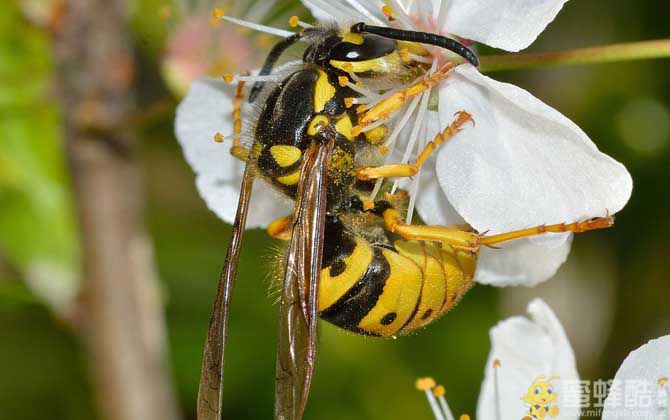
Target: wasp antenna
[(420, 37)]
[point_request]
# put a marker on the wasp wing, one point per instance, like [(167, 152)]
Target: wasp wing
[(298, 311), (210, 392)]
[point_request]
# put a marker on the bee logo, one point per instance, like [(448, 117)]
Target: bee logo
[(541, 399)]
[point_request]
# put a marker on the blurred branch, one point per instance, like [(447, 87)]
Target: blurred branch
[(593, 55), (121, 315)]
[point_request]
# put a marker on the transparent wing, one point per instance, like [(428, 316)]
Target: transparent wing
[(298, 311), (211, 377)]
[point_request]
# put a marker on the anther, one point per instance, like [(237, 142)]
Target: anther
[(464, 417), (368, 205), (293, 21), (219, 138), (439, 391), (388, 12), (425, 384), (343, 80), (217, 13), (228, 78), (349, 102)]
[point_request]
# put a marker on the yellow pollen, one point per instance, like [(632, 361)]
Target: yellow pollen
[(347, 67), (228, 78), (293, 21), (388, 12), (368, 205), (496, 363), (425, 384), (383, 150), (218, 137), (343, 80), (217, 13), (439, 391), (348, 102)]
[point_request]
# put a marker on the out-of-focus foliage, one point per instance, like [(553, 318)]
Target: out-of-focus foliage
[(623, 107)]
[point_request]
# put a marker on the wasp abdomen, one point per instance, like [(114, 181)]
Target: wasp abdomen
[(378, 290)]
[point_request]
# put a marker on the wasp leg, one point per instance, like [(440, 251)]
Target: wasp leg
[(367, 173), (575, 227), (449, 235), (281, 228), (472, 241), (237, 150), (386, 107)]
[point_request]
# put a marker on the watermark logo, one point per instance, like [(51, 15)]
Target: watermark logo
[(540, 399)]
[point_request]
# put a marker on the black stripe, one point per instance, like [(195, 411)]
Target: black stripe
[(358, 301)]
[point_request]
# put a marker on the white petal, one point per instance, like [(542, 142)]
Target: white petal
[(526, 349), (205, 111), (521, 262), (511, 25), (523, 164), (345, 11), (639, 375)]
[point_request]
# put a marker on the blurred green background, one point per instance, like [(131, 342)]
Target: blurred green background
[(612, 295)]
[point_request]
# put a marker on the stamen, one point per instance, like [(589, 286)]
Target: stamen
[(232, 78), (220, 138), (360, 89), (390, 143), (388, 12), (364, 11), (420, 58), (496, 389), (342, 80), (662, 382), (218, 14), (439, 392), (294, 22), (464, 417), (426, 385), (348, 102)]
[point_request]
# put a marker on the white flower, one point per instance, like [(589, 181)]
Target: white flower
[(525, 353), (640, 387), (522, 164)]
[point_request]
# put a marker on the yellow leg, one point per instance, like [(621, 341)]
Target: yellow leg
[(576, 227), (385, 108), (367, 173), (462, 239), (455, 237), (281, 228)]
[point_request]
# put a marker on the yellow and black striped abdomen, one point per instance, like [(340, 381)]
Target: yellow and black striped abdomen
[(380, 290)]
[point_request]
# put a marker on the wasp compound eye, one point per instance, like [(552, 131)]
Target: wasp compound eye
[(420, 37), (372, 47)]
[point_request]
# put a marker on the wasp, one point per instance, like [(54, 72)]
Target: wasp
[(351, 260)]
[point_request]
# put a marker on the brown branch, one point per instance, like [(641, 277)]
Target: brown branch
[(121, 316)]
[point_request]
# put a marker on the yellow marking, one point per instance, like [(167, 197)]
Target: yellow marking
[(290, 179), (281, 228), (317, 124), (293, 21), (425, 384), (332, 288), (377, 134), (412, 47), (342, 80), (404, 54), (401, 294), (353, 38), (434, 286), (323, 91), (383, 64), (343, 126), (285, 155), (459, 278)]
